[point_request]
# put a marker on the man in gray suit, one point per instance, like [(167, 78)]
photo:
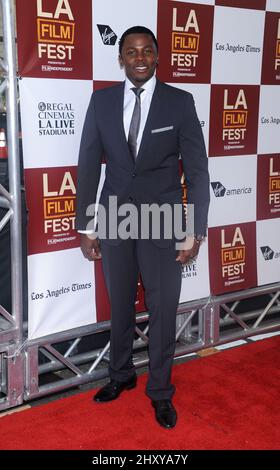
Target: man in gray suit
[(142, 127)]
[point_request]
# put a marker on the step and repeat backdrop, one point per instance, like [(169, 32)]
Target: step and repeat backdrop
[(227, 54)]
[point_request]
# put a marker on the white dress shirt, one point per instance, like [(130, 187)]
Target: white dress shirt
[(129, 103)]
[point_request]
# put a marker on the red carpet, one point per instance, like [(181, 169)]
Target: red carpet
[(229, 400)]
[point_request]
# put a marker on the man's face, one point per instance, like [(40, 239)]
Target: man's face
[(139, 58)]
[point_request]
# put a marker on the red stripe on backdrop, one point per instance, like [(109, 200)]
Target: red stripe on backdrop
[(100, 84)]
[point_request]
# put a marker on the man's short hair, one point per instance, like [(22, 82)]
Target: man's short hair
[(137, 30)]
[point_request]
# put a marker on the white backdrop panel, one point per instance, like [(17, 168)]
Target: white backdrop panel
[(119, 16), (195, 277), (268, 251), (272, 5), (52, 115), (269, 119), (234, 30), (201, 95), (232, 190), (56, 303)]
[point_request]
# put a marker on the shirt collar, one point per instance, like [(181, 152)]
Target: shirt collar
[(148, 86)]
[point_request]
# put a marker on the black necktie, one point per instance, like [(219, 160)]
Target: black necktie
[(135, 122)]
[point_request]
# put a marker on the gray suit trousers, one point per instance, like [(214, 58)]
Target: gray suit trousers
[(161, 276)]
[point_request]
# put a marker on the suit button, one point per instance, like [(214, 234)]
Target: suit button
[(133, 175), (130, 199)]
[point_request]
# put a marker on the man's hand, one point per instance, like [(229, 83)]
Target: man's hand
[(90, 247), (189, 252)]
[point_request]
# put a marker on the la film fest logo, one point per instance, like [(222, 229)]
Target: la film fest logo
[(185, 44), (268, 184), (274, 187), (56, 119), (185, 33), (271, 56), (235, 118), (55, 34), (233, 253), (220, 190), (59, 207), (277, 55)]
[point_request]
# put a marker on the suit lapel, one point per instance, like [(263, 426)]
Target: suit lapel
[(119, 128), (153, 112)]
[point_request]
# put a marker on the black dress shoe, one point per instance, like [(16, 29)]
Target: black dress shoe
[(166, 414), (113, 389)]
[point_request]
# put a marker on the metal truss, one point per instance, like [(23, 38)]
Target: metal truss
[(11, 322), (231, 321), (200, 325), (11, 201), (11, 376), (72, 369)]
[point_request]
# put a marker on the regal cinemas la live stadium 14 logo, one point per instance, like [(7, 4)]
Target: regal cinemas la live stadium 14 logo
[(268, 195), (185, 33), (233, 121), (56, 119)]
